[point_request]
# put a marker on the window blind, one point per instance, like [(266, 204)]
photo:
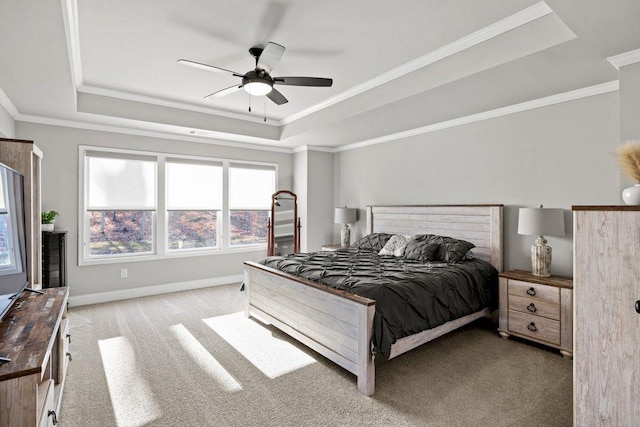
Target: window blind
[(193, 185), (250, 188), (117, 183)]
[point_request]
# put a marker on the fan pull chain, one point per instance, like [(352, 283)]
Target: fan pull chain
[(249, 103), (265, 111)]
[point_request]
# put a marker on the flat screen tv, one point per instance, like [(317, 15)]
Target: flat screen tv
[(13, 242)]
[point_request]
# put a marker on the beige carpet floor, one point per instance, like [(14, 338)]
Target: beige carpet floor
[(192, 359)]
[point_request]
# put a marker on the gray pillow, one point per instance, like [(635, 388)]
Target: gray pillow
[(421, 250), (372, 242), (453, 250)]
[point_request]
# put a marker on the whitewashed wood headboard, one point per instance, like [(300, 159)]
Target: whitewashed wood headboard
[(478, 224)]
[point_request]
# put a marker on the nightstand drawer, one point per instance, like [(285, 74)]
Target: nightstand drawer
[(537, 307), (536, 327), (550, 294)]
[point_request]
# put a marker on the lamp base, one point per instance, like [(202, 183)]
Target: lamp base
[(345, 236), (541, 258)]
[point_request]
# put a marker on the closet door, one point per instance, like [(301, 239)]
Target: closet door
[(607, 326)]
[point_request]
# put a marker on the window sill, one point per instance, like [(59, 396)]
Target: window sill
[(172, 255)]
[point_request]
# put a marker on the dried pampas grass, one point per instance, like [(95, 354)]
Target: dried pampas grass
[(629, 159)]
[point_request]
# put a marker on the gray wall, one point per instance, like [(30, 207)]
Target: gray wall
[(630, 102), (7, 124), (300, 171), (320, 208), (561, 155), (629, 110), (60, 192), (313, 183)]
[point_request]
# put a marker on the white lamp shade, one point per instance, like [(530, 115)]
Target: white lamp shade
[(541, 222), (345, 216)]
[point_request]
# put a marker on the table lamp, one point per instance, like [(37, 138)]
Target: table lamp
[(345, 216), (540, 222)]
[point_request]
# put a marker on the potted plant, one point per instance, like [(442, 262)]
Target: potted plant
[(48, 219)]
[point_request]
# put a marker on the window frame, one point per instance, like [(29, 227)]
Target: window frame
[(160, 216)]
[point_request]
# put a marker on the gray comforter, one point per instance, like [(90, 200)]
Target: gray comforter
[(410, 296)]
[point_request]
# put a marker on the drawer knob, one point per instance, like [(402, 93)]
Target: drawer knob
[(638, 306), (53, 416), (532, 308), (531, 292), (69, 356), (532, 327), (69, 336)]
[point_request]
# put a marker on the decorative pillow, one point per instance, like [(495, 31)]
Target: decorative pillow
[(372, 242), (453, 250), (421, 250), (396, 245)]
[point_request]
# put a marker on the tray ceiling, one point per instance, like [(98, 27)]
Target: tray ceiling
[(114, 63)]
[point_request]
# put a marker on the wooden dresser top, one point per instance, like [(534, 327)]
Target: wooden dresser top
[(527, 276), (26, 331), (606, 208)]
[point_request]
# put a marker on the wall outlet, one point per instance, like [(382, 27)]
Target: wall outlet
[(124, 273)]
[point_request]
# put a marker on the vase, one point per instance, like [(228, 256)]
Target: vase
[(631, 195)]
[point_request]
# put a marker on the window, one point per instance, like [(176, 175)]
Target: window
[(250, 190), (121, 204), (194, 202), (153, 205), (8, 262)]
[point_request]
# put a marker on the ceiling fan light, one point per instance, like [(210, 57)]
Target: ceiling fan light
[(257, 88)]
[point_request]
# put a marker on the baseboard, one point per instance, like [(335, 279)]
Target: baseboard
[(75, 301)]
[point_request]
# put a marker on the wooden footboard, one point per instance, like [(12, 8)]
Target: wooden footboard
[(334, 323)]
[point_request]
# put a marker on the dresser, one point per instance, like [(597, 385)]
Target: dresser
[(607, 314), (35, 337), (54, 259), (536, 308)]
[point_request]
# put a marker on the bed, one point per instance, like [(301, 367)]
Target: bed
[(340, 324)]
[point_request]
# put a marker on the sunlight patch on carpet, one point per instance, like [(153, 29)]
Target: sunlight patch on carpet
[(204, 359), (272, 356), (131, 397)]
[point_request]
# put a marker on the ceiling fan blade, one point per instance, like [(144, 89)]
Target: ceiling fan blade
[(277, 97), (207, 67), (271, 20), (303, 81), (270, 56), (224, 92)]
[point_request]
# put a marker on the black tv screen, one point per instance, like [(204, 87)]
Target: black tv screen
[(13, 252)]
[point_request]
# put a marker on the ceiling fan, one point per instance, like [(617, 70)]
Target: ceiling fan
[(259, 81)]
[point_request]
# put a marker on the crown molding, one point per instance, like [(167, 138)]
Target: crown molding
[(491, 114), (319, 148), (102, 127), (70, 18), (599, 89), (8, 105), (136, 97), (626, 58), (509, 23)]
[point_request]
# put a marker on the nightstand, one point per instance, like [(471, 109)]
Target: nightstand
[(331, 247), (536, 308)]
